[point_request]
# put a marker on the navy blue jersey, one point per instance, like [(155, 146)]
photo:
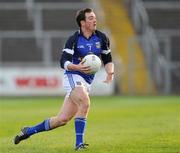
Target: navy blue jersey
[(78, 46)]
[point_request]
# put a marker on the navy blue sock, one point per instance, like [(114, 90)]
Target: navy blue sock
[(44, 126), (80, 125)]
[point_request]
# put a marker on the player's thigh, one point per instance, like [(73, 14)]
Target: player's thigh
[(68, 109), (80, 95)]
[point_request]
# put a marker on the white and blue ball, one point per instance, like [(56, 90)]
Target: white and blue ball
[(93, 61)]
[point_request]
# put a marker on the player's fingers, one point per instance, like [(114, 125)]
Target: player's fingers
[(83, 61), (86, 68), (87, 71)]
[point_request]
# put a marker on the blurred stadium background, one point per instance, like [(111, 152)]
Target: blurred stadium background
[(145, 42), (145, 36)]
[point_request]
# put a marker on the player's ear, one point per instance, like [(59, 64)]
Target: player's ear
[(82, 22)]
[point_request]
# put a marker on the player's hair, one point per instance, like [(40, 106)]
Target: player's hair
[(80, 15)]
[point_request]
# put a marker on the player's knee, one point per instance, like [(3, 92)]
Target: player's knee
[(63, 120), (84, 99), (85, 106), (84, 103)]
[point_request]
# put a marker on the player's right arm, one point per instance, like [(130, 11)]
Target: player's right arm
[(78, 67), (67, 56)]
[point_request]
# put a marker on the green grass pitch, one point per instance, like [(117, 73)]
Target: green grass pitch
[(115, 125)]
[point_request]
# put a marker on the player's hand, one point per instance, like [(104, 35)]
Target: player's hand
[(84, 69), (109, 78)]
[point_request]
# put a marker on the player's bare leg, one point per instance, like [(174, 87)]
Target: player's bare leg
[(68, 110), (81, 98)]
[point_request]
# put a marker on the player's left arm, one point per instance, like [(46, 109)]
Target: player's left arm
[(109, 67), (107, 60)]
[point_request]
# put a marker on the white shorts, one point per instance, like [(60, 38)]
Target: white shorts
[(71, 81)]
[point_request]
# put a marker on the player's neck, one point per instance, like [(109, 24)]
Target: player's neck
[(87, 33)]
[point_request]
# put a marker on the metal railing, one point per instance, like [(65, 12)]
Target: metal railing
[(146, 38), (43, 38), (167, 65), (160, 65)]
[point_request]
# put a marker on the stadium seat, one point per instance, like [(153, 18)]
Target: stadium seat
[(59, 19), (12, 1), (15, 20), (58, 1), (20, 50), (57, 46), (167, 19), (164, 18)]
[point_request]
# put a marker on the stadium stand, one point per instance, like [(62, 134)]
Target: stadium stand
[(14, 19), (41, 1), (135, 79), (162, 17), (9, 1), (35, 30), (27, 51), (70, 1), (54, 19)]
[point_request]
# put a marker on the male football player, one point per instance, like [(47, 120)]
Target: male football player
[(77, 78)]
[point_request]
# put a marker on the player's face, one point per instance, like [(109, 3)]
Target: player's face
[(90, 22)]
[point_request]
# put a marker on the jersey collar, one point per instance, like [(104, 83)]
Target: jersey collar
[(81, 33)]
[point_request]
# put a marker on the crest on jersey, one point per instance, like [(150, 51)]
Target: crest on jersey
[(98, 45)]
